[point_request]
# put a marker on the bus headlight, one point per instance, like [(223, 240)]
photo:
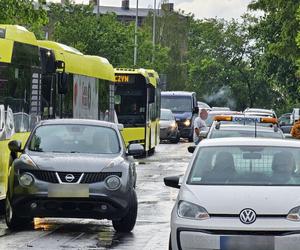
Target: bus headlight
[(26, 179), (187, 123), (113, 182)]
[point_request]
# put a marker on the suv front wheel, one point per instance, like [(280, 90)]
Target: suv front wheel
[(13, 221), (126, 224)]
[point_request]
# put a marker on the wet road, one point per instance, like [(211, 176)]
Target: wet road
[(152, 228)]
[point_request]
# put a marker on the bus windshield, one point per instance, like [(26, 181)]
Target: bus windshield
[(130, 103), (177, 103)]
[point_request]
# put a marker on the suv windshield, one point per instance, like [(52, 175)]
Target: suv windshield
[(246, 165), (177, 103), (75, 139)]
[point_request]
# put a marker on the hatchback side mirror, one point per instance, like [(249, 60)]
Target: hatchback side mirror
[(15, 146), (136, 149), (191, 149), (172, 181)]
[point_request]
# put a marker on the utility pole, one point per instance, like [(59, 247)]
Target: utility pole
[(135, 33), (154, 31), (98, 7)]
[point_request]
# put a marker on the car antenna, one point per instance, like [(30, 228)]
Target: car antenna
[(255, 132)]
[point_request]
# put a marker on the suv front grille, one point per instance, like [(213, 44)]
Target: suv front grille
[(50, 176), (98, 177)]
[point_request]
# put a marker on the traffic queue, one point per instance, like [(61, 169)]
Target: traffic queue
[(240, 188), (241, 183)]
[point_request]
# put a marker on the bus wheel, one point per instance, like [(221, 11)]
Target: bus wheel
[(151, 151), (2, 207)]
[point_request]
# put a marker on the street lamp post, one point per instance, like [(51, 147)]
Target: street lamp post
[(154, 31), (98, 7), (135, 33)]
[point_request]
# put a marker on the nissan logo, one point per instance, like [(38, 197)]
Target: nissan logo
[(69, 177), (247, 216)]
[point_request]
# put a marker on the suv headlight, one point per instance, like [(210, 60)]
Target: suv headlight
[(173, 125), (26, 179), (113, 182), (27, 160), (294, 214), (187, 122), (191, 211)]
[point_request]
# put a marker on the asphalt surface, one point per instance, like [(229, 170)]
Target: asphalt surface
[(152, 228)]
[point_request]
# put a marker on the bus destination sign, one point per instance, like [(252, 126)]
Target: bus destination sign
[(124, 79)]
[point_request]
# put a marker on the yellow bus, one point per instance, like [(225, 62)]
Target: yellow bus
[(137, 105), (42, 80), (20, 82), (74, 91)]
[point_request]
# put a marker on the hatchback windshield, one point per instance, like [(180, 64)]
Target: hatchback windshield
[(166, 115), (75, 139), (245, 165)]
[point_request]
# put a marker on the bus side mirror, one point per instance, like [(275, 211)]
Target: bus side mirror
[(62, 80)]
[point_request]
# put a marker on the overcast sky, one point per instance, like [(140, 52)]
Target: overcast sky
[(201, 8)]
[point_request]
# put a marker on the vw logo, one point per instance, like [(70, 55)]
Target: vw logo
[(69, 177), (247, 216)]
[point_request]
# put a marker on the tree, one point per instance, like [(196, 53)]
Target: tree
[(275, 34), (27, 13)]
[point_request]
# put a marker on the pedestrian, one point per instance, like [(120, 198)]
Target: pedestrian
[(199, 125), (295, 132)]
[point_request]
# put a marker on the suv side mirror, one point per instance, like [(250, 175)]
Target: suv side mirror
[(195, 110), (136, 149), (172, 181), (15, 146)]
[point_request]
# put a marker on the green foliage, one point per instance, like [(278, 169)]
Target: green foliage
[(275, 33), (27, 13)]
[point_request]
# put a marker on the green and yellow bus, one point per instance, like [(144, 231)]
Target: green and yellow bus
[(43, 80), (137, 105), (77, 83), (20, 83)]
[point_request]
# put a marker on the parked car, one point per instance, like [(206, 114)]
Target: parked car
[(185, 109), (238, 193), (73, 168), (168, 126), (285, 123), (203, 105), (260, 112)]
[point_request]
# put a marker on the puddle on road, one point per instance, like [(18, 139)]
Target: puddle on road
[(109, 238)]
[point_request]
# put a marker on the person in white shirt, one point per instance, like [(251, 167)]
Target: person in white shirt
[(199, 125)]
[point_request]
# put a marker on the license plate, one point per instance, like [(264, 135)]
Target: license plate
[(68, 190), (247, 242)]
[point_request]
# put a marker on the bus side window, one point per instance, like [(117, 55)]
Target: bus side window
[(151, 95)]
